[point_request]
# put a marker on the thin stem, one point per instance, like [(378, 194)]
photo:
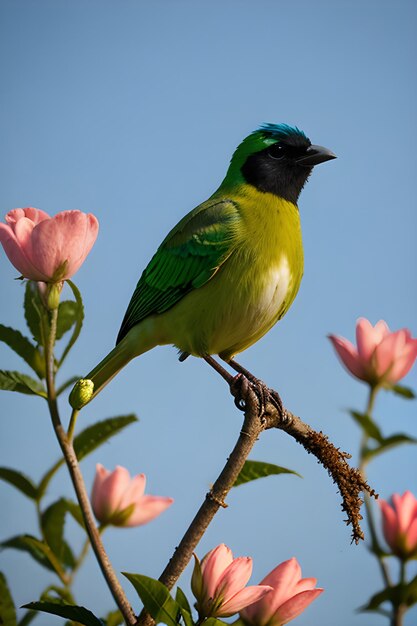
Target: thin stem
[(78, 481), (71, 427), (399, 612), (368, 505), (80, 560)]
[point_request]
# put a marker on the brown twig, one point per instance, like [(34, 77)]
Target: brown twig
[(253, 425)]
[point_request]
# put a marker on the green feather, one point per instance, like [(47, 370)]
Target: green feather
[(187, 258)]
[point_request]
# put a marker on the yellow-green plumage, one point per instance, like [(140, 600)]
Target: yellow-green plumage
[(232, 267), (252, 288)]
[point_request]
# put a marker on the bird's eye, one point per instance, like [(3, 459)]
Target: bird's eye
[(277, 151)]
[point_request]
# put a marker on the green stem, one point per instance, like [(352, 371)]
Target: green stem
[(78, 481), (80, 560), (367, 500), (71, 427)]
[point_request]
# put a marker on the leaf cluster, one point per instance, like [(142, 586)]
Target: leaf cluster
[(32, 350)]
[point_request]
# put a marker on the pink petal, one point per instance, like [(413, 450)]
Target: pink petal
[(234, 578), (349, 356), (404, 363), (96, 494), (411, 537), (113, 488), (305, 584), (68, 237), (389, 523), (406, 510), (35, 215), (295, 605), (387, 352), (213, 566), (242, 599), (134, 491), (367, 338), (284, 579), (17, 256), (147, 509)]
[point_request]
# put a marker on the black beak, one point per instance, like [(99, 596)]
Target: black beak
[(315, 155)]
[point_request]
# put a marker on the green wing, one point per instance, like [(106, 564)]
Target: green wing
[(187, 258)]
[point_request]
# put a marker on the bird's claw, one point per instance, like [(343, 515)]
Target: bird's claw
[(238, 389)]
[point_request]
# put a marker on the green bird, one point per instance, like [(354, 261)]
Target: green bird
[(231, 268)]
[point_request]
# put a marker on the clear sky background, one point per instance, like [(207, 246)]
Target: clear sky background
[(131, 110)]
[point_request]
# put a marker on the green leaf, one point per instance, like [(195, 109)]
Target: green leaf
[(399, 594), (114, 618), (156, 599), (88, 440), (405, 392), (181, 599), (74, 510), (38, 550), (76, 613), (67, 316), (252, 470), (93, 436), (185, 608), (20, 481), (24, 348), (15, 381), (7, 609), (28, 617), (53, 523), (33, 307), (368, 425), (79, 318), (388, 443), (60, 593)]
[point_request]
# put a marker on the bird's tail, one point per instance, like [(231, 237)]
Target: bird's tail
[(132, 345)]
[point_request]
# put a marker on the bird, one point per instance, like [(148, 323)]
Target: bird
[(230, 269)]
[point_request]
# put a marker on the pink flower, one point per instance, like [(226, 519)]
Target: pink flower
[(290, 595), (218, 583), (399, 523), (382, 356), (118, 499), (48, 249)]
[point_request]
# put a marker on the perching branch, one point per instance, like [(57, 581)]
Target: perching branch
[(263, 409)]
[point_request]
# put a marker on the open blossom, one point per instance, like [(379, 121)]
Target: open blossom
[(381, 356), (399, 523), (218, 583), (290, 595), (48, 249), (119, 500)]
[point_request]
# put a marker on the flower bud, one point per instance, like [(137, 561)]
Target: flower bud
[(81, 393), (399, 522)]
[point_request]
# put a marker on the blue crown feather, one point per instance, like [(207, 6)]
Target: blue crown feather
[(281, 131)]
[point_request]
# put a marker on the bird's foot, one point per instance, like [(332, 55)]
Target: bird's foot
[(264, 394)]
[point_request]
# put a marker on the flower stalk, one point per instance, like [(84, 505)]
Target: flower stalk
[(76, 476)]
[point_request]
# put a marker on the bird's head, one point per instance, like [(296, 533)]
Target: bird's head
[(276, 159)]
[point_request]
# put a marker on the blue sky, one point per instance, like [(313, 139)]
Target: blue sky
[(131, 110)]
